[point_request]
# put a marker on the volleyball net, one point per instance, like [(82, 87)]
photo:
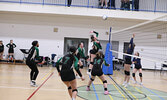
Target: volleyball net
[(150, 40)]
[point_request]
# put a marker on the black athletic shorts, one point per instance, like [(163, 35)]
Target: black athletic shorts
[(67, 75), (11, 51), (128, 61), (93, 51), (31, 64), (78, 56), (138, 67), (96, 72)]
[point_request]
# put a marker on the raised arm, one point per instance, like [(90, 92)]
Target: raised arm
[(131, 41), (97, 34)]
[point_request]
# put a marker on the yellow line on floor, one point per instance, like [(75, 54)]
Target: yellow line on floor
[(131, 93), (47, 74), (119, 91), (142, 92), (108, 95)]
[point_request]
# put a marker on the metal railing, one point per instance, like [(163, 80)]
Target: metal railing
[(132, 5)]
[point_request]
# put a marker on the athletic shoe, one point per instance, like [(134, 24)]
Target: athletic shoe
[(77, 76), (106, 93), (124, 83), (89, 73), (134, 82), (141, 83), (87, 88), (73, 98), (33, 84)]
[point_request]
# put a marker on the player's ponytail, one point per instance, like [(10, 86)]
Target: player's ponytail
[(99, 54)]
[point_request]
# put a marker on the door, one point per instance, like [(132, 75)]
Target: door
[(115, 47), (74, 42)]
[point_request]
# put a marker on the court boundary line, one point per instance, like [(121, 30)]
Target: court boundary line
[(146, 88), (62, 90), (120, 87), (107, 87), (131, 94), (39, 87), (94, 89), (119, 91)]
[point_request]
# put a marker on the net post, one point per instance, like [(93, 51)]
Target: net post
[(108, 70)]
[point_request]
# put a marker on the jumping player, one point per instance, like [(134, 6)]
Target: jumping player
[(67, 74), (95, 48), (31, 62), (97, 71), (128, 62), (138, 67), (11, 47)]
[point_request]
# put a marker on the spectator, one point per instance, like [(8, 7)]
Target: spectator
[(103, 4), (125, 5), (111, 4), (136, 5), (11, 47), (69, 3), (1, 50)]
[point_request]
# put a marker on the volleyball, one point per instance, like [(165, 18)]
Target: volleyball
[(104, 17)]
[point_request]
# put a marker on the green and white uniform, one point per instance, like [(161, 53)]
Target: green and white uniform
[(96, 46), (30, 61), (66, 72)]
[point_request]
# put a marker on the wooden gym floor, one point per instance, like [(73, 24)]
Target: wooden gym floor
[(14, 85)]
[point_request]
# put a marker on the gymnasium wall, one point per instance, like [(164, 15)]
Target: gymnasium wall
[(25, 23), (23, 29)]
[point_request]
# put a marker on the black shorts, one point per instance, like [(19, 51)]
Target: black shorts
[(138, 67), (93, 51), (78, 56), (11, 51), (67, 75), (128, 61), (31, 64), (96, 72)]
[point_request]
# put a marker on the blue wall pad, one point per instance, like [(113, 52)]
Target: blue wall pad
[(108, 70)]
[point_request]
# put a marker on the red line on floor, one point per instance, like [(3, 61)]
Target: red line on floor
[(39, 87)]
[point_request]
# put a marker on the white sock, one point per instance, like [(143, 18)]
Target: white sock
[(73, 98)]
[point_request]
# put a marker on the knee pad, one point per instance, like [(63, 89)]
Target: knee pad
[(81, 67), (127, 73), (133, 74), (124, 72), (69, 88), (12, 56), (91, 63), (140, 74), (91, 79), (75, 90), (105, 81)]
